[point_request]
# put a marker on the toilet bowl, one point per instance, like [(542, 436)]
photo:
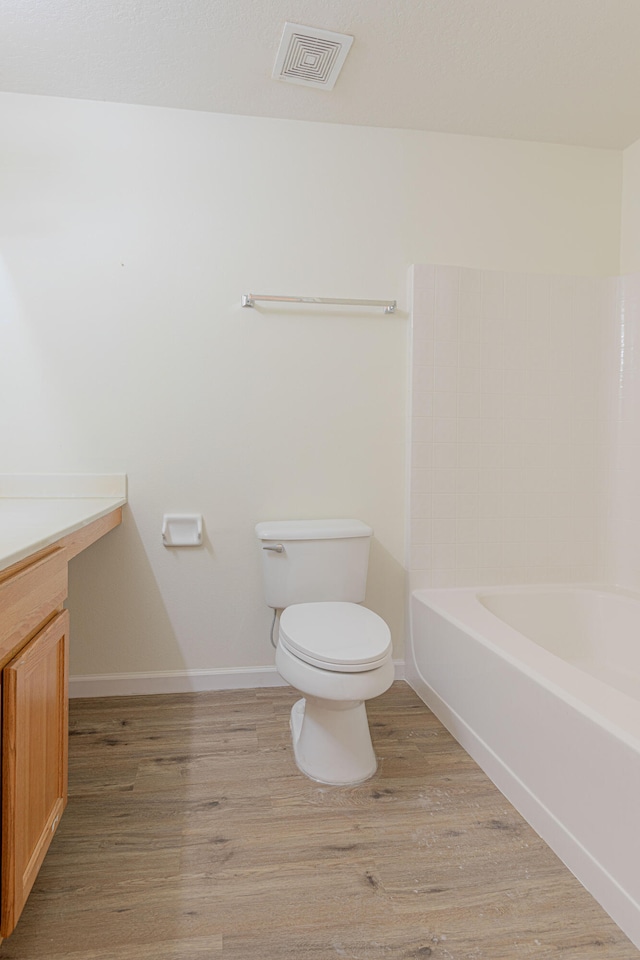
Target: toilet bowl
[(338, 655)]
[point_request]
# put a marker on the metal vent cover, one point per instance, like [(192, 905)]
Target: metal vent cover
[(310, 56)]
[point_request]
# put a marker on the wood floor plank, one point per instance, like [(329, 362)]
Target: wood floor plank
[(191, 834), (195, 948)]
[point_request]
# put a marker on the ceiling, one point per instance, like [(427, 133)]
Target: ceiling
[(564, 71)]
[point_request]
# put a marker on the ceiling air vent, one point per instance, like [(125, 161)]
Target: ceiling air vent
[(311, 57)]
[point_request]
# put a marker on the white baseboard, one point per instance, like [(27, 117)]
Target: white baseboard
[(182, 681), (398, 666)]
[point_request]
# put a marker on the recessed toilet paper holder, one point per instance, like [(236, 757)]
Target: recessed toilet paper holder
[(182, 529)]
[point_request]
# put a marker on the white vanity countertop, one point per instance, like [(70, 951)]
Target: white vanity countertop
[(31, 522)]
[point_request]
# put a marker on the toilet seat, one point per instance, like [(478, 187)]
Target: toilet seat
[(337, 636)]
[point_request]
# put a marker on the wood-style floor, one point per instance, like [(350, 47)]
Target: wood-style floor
[(190, 834)]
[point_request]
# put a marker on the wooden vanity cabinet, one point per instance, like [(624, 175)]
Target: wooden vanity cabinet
[(34, 666), (35, 734)]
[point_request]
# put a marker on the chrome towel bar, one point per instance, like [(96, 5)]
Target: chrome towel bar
[(249, 300)]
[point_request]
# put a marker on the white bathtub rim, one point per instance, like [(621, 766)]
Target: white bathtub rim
[(616, 711)]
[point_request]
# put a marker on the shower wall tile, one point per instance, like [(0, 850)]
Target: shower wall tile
[(507, 479)]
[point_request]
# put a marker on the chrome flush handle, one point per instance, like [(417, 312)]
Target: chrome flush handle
[(276, 548)]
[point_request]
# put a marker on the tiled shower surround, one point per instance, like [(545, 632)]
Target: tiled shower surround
[(525, 428)]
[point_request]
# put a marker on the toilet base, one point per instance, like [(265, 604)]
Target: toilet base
[(331, 741)]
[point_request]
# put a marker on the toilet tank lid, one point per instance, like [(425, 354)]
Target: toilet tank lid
[(311, 529)]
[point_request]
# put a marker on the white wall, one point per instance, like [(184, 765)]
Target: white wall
[(630, 219), (128, 235)]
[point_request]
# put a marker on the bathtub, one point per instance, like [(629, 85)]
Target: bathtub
[(541, 685)]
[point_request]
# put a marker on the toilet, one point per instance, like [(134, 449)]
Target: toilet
[(335, 652)]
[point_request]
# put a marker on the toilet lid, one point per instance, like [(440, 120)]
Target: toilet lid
[(344, 637)]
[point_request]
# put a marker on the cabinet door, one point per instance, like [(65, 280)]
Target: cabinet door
[(34, 760)]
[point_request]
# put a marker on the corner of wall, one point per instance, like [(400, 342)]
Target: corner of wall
[(630, 210)]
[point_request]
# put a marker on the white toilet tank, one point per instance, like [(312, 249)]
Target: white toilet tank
[(307, 561)]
